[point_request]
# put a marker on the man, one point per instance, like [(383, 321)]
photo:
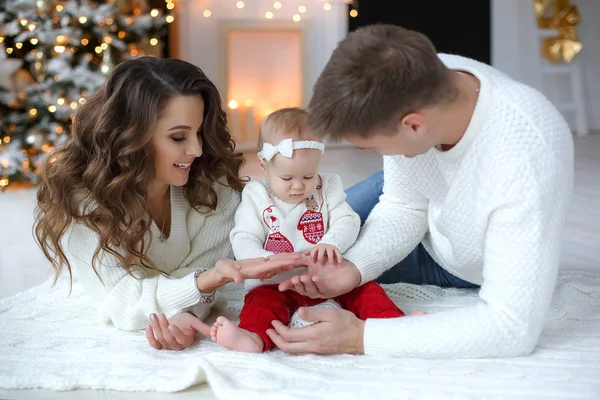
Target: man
[(478, 176)]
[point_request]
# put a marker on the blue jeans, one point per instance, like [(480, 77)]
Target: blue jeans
[(418, 267)]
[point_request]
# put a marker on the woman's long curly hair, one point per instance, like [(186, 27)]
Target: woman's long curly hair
[(100, 175)]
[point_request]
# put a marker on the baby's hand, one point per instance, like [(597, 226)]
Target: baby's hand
[(320, 251)]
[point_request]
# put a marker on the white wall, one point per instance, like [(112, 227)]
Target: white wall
[(513, 40), (199, 36), (515, 51), (589, 32)]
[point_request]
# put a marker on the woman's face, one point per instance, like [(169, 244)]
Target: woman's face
[(176, 141)]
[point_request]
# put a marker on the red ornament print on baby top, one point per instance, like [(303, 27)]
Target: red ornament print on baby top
[(311, 223), (276, 242)]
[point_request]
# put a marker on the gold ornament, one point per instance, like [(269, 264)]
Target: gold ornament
[(565, 18), (540, 7), (566, 46), (22, 79)]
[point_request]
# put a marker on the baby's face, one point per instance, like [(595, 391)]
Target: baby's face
[(294, 179)]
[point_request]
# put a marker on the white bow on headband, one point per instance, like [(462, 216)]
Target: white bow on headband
[(286, 148)]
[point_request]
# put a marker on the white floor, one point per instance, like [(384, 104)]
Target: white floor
[(22, 265)]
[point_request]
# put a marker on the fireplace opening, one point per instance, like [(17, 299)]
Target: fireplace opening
[(264, 70)]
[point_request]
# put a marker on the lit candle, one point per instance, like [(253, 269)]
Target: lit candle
[(234, 120), (248, 120)]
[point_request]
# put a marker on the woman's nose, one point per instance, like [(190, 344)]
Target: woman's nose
[(194, 147)]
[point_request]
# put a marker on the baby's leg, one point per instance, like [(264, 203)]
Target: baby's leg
[(370, 301), (261, 306)]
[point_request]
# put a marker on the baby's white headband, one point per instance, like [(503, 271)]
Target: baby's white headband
[(286, 147)]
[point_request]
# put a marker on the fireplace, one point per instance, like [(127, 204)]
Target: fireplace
[(264, 68)]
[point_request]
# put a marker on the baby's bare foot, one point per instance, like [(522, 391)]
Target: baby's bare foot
[(214, 329), (233, 338)]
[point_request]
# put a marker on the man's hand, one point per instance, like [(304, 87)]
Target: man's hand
[(325, 280), (176, 333), (336, 331)]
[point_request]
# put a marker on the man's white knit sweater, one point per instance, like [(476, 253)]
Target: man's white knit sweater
[(491, 211), (196, 241), (265, 225)]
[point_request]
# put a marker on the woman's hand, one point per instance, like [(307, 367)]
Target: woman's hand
[(176, 333), (222, 273), (265, 268), (226, 271)]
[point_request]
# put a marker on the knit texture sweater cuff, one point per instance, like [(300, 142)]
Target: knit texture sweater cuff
[(366, 264), (178, 293), (376, 337)]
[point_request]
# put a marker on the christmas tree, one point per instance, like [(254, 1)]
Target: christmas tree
[(52, 55)]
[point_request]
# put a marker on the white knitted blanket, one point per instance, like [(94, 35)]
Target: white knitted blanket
[(51, 341)]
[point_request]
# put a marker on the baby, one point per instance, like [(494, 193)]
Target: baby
[(295, 209)]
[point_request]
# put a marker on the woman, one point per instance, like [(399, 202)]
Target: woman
[(144, 192)]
